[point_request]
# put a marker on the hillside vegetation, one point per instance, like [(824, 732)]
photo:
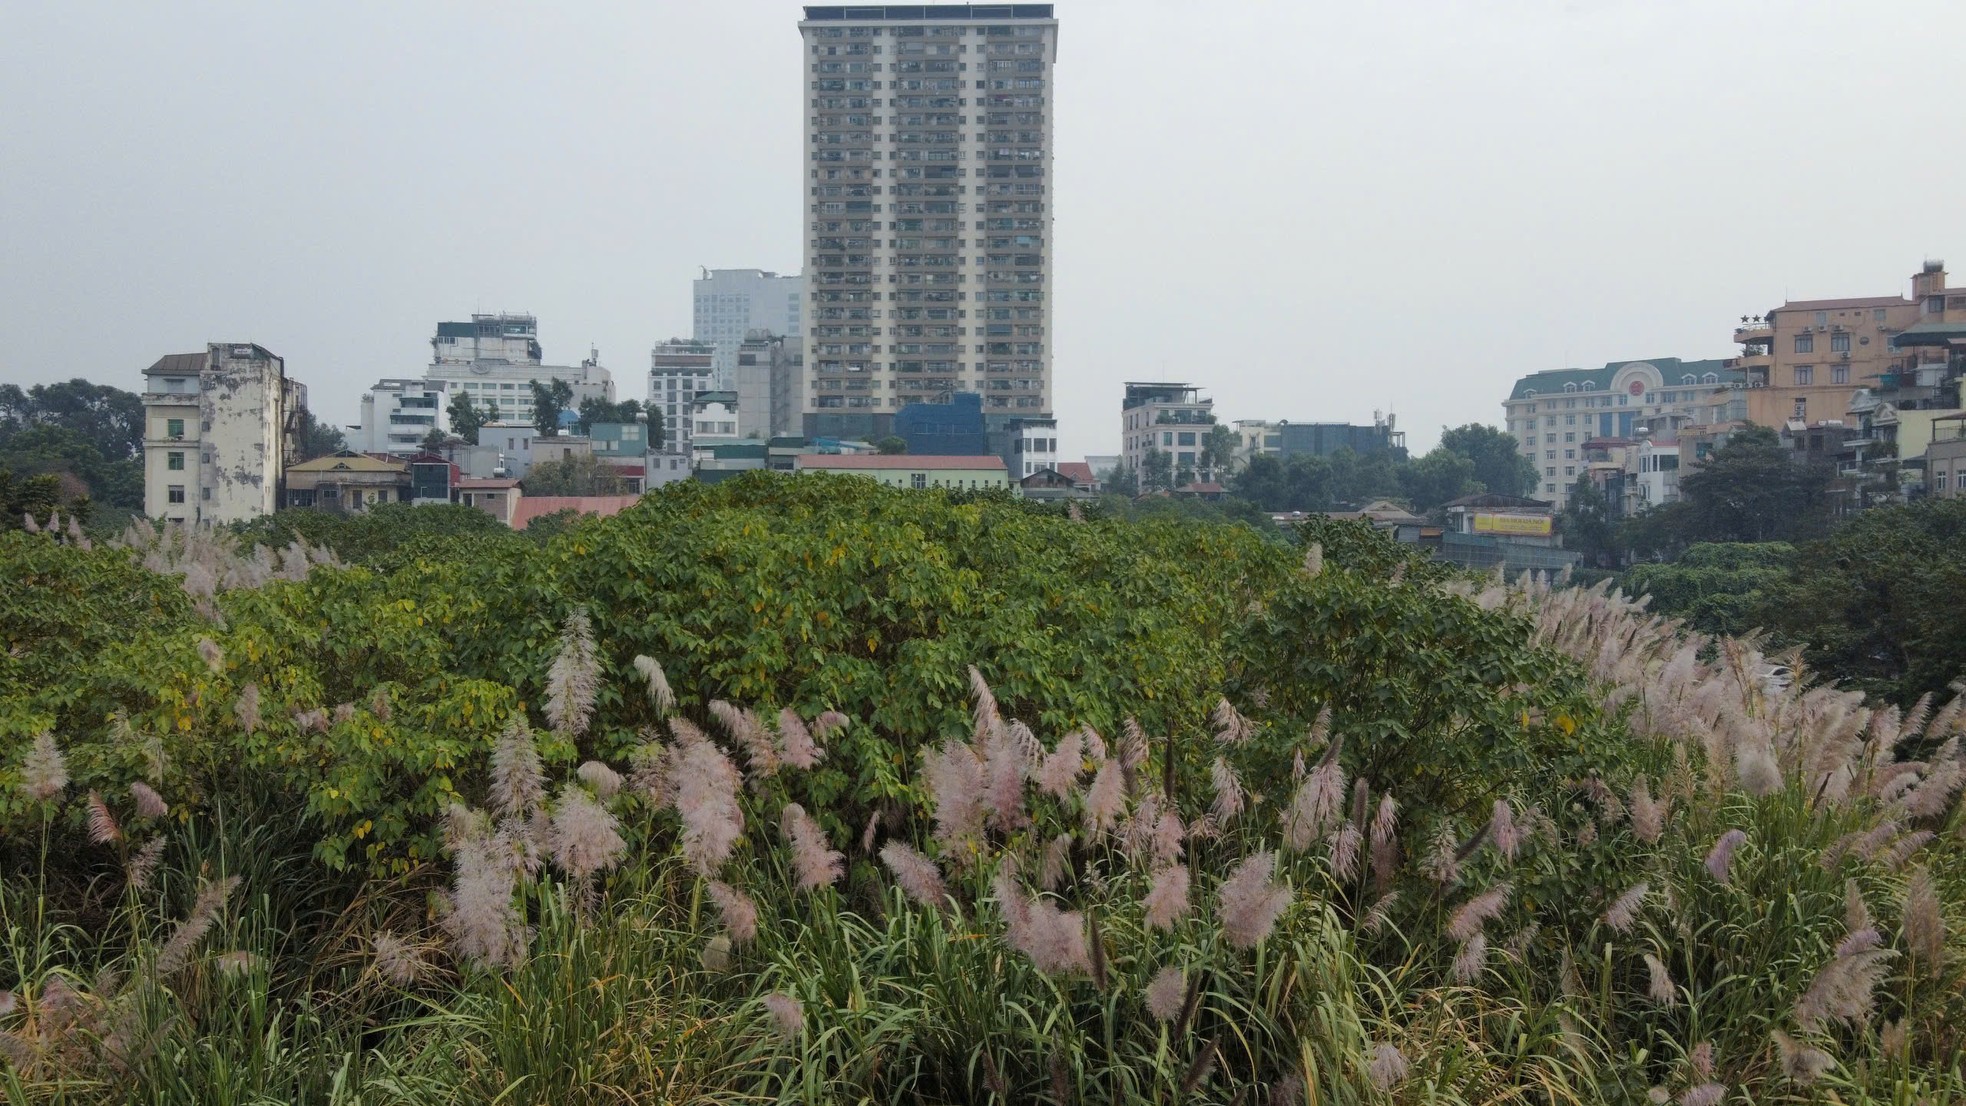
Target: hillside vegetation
[(815, 791)]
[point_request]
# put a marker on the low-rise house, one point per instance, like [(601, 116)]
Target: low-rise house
[(904, 471), (347, 481), (1945, 458), (497, 497), (1049, 484)]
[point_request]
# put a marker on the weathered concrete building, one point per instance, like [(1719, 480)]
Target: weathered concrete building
[(220, 427)]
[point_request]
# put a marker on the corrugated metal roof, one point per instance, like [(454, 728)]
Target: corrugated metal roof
[(179, 364)]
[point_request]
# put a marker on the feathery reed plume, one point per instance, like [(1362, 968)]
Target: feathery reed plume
[(605, 782), (1443, 866), (1470, 958), (246, 708), (1165, 994), (987, 716), (1054, 939), (1903, 848), (1624, 911), (1659, 987), (1054, 862), (1648, 815), (204, 913), (1231, 728), (955, 783), (1801, 1063), (483, 924), (1199, 1070), (738, 912), (379, 704), (143, 864), (1167, 835), (1924, 922), (1701, 1060), (1005, 764), (44, 774), (574, 677), (648, 769), (760, 751), (1314, 559), (704, 786), (28, 524), (660, 694), (311, 721), (238, 962), (1704, 1094), (1473, 915), (1059, 776), (802, 751), (1934, 792), (1229, 799), (343, 712), (915, 874), (1720, 860), (828, 721), (1755, 768), (1344, 851), (1856, 915), (1096, 945), (586, 838), (1892, 1039), (397, 960), (1387, 1068), (1167, 902), (870, 832), (817, 864), (1502, 830), (211, 654), (1375, 918), (1316, 806), (1104, 799), (518, 779), (715, 956), (1248, 904), (103, 829), (788, 1016)]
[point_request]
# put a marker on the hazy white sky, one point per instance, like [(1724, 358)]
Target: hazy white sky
[(1312, 209)]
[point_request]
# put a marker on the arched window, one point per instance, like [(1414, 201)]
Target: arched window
[(1713, 378), (1570, 387), (1687, 379)]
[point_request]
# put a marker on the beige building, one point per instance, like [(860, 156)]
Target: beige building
[(904, 471), (220, 427), (347, 481), (928, 161), (1945, 458), (1807, 358)]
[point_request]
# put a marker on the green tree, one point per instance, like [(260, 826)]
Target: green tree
[(1434, 479), (1751, 490), (434, 441), (891, 445), (1124, 480), (1157, 471), (1218, 453), (72, 459), (108, 418), (37, 496), (1717, 589), (1499, 464), (319, 439), (548, 401), (467, 418), (595, 409), (1587, 526), (578, 475)]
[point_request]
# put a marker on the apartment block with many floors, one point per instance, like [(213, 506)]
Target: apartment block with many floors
[(495, 358), (1172, 418), (220, 427), (680, 370), (1557, 413), (731, 304), (928, 162), (397, 414)]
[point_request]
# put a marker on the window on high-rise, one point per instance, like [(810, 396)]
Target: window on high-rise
[(1805, 375), (174, 494), (1839, 343), (1805, 343), (174, 461), (1839, 374)]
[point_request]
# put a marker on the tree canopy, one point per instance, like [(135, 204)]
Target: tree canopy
[(1499, 465), (548, 401)]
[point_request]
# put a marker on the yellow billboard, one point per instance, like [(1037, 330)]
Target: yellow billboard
[(1539, 525)]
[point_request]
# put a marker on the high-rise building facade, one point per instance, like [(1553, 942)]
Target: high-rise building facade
[(679, 372), (731, 303), (928, 158)]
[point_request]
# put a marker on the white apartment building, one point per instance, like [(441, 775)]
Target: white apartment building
[(680, 370), (220, 427), (731, 303), (1033, 446), (495, 358), (1172, 418), (1554, 413), (928, 262), (398, 414)]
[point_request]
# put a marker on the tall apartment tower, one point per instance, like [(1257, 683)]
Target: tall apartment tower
[(928, 249), (731, 303)]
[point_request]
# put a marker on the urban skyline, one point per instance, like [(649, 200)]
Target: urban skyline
[(1401, 268)]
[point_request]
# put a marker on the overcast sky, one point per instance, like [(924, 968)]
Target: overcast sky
[(1314, 210)]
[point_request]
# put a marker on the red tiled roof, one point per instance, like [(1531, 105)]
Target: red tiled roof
[(1078, 472), (533, 506), (845, 463)]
